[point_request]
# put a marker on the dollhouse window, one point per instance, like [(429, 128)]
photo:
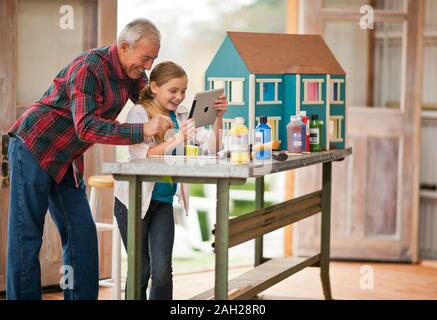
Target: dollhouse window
[(234, 88), (217, 84), (335, 128), (336, 86), (236, 92), (269, 91), (313, 91)]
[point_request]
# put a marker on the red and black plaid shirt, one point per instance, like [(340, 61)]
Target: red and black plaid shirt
[(78, 110)]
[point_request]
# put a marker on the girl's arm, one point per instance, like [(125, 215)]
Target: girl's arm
[(215, 138)]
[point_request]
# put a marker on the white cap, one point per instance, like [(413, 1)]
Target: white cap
[(239, 120), (292, 118), (303, 113)]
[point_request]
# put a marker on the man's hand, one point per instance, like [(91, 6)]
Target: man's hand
[(158, 125)]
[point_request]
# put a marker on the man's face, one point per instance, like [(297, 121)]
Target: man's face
[(138, 57)]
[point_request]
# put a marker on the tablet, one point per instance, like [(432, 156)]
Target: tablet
[(202, 110)]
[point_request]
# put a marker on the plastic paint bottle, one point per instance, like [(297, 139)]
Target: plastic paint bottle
[(306, 121), (302, 131), (239, 142), (294, 135), (315, 134), (263, 138)]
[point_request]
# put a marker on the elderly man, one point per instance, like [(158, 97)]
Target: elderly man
[(46, 157)]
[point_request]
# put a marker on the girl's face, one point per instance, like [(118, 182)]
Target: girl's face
[(170, 94)]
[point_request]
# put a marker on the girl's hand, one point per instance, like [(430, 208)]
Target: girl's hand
[(221, 105), (186, 131)]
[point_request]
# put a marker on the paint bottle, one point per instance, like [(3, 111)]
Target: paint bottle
[(239, 135), (306, 121), (302, 131), (294, 135), (315, 133), (263, 138)]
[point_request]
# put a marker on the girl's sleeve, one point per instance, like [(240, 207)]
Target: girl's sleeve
[(139, 151)]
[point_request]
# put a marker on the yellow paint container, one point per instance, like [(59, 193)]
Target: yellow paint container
[(191, 150)]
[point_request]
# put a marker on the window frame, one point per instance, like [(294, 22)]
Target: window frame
[(227, 85), (276, 82), (305, 90), (336, 128), (339, 82)]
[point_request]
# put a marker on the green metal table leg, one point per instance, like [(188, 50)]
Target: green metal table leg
[(326, 229), (134, 240), (222, 240), (259, 203)]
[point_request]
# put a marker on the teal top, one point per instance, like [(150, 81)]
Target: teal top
[(163, 191)]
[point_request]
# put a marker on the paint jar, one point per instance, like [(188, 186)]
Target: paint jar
[(295, 135), (239, 148), (191, 150)]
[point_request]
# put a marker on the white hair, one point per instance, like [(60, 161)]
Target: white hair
[(137, 29)]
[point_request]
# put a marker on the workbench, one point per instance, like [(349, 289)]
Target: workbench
[(231, 232)]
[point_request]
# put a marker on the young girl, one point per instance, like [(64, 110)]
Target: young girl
[(168, 83)]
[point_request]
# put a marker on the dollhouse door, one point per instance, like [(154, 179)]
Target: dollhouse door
[(375, 192)]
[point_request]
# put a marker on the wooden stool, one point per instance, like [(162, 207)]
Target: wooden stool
[(106, 182)]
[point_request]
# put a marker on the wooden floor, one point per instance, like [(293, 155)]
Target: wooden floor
[(348, 281)]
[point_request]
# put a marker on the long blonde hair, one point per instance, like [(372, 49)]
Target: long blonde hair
[(161, 74)]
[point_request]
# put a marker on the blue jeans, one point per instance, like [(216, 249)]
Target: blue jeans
[(32, 192), (157, 243)]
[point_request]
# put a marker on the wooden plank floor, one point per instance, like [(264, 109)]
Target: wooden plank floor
[(391, 281)]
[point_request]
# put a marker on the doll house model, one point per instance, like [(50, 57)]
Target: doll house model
[(279, 75)]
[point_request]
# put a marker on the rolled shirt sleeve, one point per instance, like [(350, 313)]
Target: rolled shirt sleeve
[(89, 126)]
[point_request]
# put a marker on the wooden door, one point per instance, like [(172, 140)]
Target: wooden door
[(34, 48), (7, 111), (375, 192)]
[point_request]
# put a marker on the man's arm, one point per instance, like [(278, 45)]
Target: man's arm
[(88, 125)]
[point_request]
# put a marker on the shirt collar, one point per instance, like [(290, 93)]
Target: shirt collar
[(115, 61)]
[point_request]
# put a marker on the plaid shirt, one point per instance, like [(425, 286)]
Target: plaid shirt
[(78, 110)]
